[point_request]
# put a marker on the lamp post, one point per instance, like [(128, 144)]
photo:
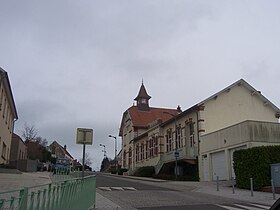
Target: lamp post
[(176, 154), (115, 149), (104, 150)]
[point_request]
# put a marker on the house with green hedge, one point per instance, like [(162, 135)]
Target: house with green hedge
[(203, 136)]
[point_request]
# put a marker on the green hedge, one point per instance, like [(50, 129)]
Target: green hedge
[(255, 163), (146, 171), (121, 171)]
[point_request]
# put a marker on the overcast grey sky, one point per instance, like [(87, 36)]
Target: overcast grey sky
[(80, 63)]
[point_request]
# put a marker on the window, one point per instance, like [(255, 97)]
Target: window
[(142, 151), (129, 157), (147, 150), (191, 138), (151, 147), (1, 99), (169, 141), (143, 101), (156, 146), (179, 139), (137, 153), (5, 101), (4, 151), (124, 158)]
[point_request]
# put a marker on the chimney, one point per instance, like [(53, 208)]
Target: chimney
[(65, 147), (179, 110)]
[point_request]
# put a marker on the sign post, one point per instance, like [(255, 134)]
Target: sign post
[(84, 136)]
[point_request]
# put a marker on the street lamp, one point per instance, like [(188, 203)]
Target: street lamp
[(104, 150), (176, 154), (115, 149)]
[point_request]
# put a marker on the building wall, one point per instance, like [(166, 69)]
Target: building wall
[(243, 135), (18, 149), (6, 122), (233, 106), (127, 135)]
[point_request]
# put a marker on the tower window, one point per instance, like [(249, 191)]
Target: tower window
[(143, 101)]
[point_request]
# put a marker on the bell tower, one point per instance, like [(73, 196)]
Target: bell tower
[(143, 99)]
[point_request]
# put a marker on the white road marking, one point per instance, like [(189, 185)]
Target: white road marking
[(117, 188), (248, 207), (129, 188), (104, 188), (261, 206), (229, 207)]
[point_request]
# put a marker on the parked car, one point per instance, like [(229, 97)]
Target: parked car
[(276, 205)]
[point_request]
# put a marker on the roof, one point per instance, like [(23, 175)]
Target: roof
[(142, 93), (5, 79), (62, 148), (249, 87), (143, 118)]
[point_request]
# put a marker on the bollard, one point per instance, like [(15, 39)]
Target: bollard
[(217, 183), (233, 190), (273, 189), (251, 186)]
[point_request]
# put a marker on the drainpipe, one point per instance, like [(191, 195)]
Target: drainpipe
[(14, 120), (198, 140)]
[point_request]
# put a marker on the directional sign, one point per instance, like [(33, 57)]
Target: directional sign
[(84, 136)]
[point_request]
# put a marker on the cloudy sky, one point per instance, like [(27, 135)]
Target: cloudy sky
[(81, 63)]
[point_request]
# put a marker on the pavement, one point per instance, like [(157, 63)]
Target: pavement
[(10, 181)]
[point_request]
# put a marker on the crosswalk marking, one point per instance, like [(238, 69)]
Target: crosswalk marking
[(261, 206), (247, 206), (104, 188), (129, 188), (228, 207), (117, 188)]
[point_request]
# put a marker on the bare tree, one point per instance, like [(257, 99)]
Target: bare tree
[(29, 132), (88, 159), (42, 141)]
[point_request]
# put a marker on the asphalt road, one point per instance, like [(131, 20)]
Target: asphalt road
[(162, 196)]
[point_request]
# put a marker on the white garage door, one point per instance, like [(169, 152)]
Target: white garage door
[(219, 165), (205, 168)]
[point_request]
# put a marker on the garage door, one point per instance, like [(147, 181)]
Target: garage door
[(219, 165)]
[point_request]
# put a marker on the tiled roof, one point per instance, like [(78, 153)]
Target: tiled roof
[(143, 118)]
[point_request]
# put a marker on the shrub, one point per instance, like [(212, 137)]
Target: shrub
[(255, 163), (113, 171), (146, 171), (121, 171)]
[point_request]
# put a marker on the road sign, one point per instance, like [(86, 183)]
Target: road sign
[(84, 136), (176, 154)]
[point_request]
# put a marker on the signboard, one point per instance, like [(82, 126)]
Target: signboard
[(84, 136), (176, 154)]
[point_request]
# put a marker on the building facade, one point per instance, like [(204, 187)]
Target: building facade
[(174, 141), (226, 115), (8, 116), (18, 149)]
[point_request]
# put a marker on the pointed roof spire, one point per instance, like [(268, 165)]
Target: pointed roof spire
[(142, 93)]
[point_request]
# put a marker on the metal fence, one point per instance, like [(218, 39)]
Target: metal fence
[(75, 193)]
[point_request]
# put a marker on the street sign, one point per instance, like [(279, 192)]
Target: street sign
[(176, 154), (84, 136)]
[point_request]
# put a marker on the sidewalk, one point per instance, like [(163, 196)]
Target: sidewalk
[(226, 190)]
